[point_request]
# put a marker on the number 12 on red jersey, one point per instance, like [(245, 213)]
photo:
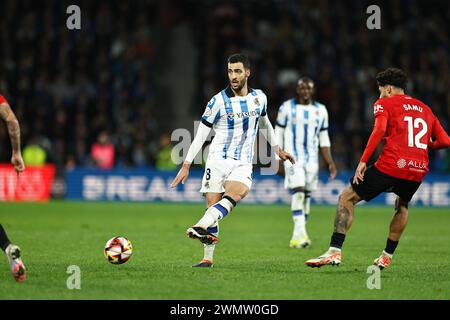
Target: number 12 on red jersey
[(414, 141)]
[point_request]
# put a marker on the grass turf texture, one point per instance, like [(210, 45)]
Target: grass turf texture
[(252, 260)]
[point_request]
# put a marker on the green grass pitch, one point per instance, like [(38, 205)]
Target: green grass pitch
[(252, 260)]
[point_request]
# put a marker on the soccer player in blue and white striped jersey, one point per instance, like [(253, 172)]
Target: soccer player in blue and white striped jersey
[(301, 128), (236, 113)]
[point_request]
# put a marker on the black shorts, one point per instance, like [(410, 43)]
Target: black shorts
[(376, 182)]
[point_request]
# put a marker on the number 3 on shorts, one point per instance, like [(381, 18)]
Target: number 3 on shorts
[(208, 174)]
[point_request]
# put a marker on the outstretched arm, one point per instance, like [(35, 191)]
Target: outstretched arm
[(440, 137), (325, 150), (200, 138), (326, 154), (279, 133), (379, 129), (7, 115), (269, 134)]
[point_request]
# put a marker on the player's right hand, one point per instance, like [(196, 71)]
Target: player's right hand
[(359, 173), (332, 169), (17, 162), (181, 176)]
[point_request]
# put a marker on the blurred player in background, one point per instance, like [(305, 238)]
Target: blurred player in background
[(12, 251), (235, 113), (409, 129), (302, 126)]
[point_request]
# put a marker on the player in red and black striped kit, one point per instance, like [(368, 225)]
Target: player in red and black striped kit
[(11, 250), (409, 129)]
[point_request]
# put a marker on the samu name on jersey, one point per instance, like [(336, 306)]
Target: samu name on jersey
[(302, 124), (235, 121)]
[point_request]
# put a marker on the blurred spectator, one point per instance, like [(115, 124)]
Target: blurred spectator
[(164, 157), (102, 152), (113, 73), (70, 163)]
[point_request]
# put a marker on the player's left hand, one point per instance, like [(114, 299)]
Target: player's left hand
[(286, 156), (332, 169), (359, 173)]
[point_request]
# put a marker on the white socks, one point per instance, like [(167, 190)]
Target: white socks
[(298, 215), (210, 222), (208, 252), (208, 249), (307, 205), (216, 212)]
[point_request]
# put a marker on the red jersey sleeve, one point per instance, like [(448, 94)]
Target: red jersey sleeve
[(2, 99), (381, 115), (381, 109), (439, 136)]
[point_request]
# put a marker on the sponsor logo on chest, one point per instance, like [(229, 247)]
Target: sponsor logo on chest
[(253, 113)]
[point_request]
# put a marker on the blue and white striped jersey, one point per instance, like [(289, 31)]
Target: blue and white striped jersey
[(303, 125), (235, 122)]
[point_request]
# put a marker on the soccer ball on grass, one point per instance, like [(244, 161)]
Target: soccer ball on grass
[(118, 250)]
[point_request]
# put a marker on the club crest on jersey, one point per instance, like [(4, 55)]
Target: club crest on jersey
[(230, 115), (211, 102), (256, 101), (377, 108), (207, 112)]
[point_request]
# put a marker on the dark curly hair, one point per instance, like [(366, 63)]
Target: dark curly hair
[(392, 76), (239, 57)]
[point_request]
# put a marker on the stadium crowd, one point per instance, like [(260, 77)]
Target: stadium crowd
[(68, 88)]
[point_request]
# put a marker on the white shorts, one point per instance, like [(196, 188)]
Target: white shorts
[(304, 175), (219, 171)]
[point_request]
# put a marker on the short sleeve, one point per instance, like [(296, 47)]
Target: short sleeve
[(212, 112), (264, 108), (325, 119), (282, 116)]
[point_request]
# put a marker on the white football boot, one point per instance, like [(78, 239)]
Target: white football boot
[(331, 257), (15, 262)]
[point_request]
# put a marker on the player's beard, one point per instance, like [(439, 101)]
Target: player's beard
[(240, 85)]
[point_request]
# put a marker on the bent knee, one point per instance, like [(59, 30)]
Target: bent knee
[(349, 195), (236, 195), (401, 205)]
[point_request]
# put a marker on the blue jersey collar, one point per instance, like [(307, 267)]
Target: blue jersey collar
[(230, 93)]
